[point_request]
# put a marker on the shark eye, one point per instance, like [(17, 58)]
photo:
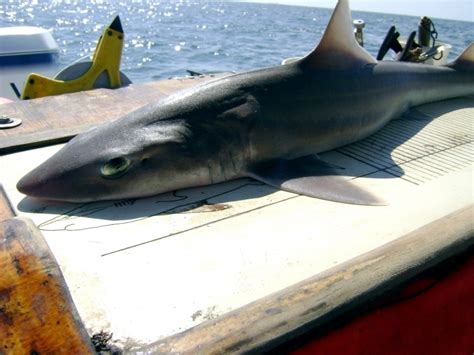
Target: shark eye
[(115, 167)]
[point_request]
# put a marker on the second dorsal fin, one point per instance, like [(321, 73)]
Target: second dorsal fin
[(338, 49)]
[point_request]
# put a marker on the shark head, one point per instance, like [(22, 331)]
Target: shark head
[(133, 157)]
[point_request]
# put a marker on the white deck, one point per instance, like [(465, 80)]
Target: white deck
[(145, 269)]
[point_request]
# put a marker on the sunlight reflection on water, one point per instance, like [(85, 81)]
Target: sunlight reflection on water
[(165, 38)]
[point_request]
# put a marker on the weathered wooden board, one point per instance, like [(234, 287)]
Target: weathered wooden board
[(55, 119), (37, 314), (315, 302)]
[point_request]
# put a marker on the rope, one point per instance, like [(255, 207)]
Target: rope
[(434, 37), (429, 26)]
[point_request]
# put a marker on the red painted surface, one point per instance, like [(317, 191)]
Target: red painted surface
[(432, 315)]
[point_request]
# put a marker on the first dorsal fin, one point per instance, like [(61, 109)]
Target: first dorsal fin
[(465, 62), (338, 49)]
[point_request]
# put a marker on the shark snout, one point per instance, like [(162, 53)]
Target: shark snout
[(43, 182), (32, 185), (53, 182)]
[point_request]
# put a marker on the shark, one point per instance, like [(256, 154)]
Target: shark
[(268, 124)]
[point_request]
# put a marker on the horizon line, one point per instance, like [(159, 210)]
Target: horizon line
[(289, 3)]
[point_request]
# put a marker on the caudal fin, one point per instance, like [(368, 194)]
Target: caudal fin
[(465, 62)]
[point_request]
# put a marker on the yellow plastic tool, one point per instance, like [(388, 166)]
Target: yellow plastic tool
[(106, 59)]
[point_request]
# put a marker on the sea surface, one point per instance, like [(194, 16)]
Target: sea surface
[(164, 38)]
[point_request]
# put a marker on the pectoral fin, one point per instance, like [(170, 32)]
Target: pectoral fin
[(313, 177)]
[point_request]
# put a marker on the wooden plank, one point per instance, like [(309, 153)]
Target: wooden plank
[(314, 303), (37, 314), (6, 208), (56, 119)]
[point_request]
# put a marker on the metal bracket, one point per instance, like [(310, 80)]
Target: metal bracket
[(8, 122)]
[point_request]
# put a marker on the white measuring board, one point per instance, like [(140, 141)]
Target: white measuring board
[(148, 268)]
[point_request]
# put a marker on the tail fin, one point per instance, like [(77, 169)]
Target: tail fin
[(465, 62)]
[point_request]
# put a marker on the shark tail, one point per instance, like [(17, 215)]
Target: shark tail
[(465, 62)]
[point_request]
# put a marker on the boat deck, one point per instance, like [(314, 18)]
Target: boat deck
[(146, 269)]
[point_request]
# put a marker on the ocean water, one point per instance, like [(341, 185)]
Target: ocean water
[(163, 39)]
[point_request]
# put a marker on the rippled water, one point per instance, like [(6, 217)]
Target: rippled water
[(165, 38)]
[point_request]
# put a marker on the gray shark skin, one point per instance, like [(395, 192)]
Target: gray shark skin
[(267, 124)]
